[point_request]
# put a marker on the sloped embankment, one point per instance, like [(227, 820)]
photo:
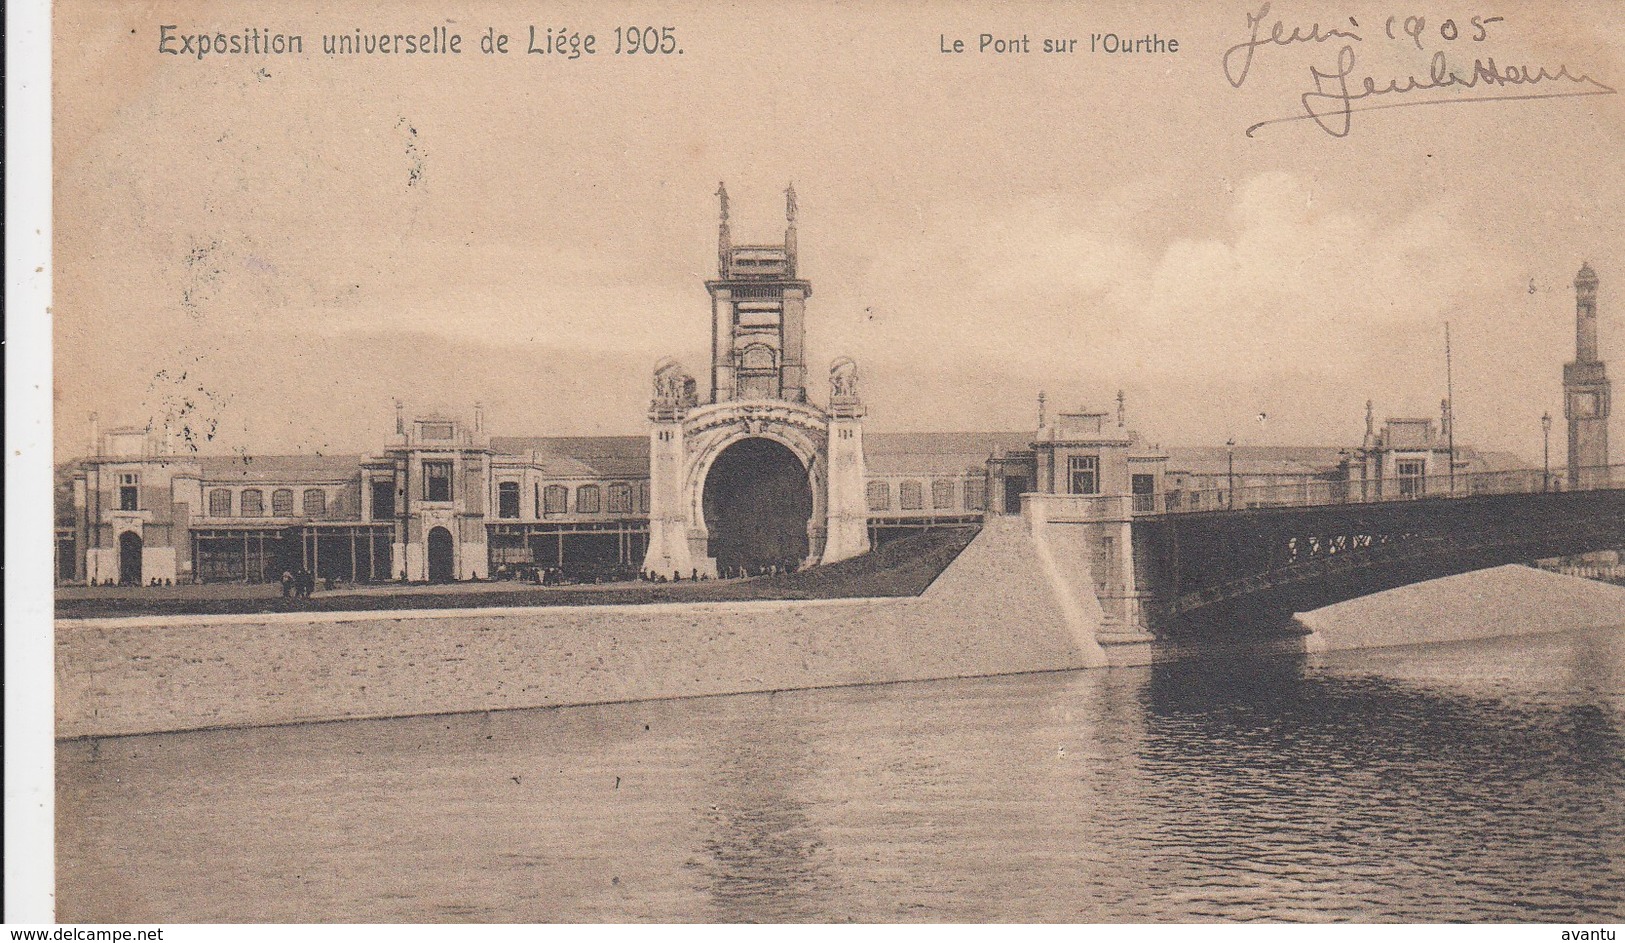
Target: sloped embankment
[(1503, 601)]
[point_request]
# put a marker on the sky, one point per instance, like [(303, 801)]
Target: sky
[(276, 248)]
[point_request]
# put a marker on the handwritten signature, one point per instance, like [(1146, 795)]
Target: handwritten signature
[(1335, 98)]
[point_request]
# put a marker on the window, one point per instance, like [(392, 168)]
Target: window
[(911, 496), (383, 497), (587, 499), (315, 502), (942, 494), (1144, 489), (437, 481), (1014, 488), (976, 494), (219, 503), (282, 502), (508, 499), (879, 494), (253, 502), (555, 499), (1411, 478), (620, 498), (129, 492), (643, 497), (1083, 474)]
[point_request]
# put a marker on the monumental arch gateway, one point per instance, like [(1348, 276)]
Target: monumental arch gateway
[(757, 475)]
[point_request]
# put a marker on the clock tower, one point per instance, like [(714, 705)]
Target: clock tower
[(1585, 390)]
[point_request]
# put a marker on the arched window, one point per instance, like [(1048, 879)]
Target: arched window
[(757, 357), (879, 493), (219, 503), (911, 496), (555, 499), (508, 499), (643, 497), (315, 502), (587, 499), (976, 494), (620, 498), (282, 502), (253, 502), (942, 494)]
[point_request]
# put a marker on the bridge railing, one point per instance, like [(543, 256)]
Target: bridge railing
[(1062, 508), (1313, 493)]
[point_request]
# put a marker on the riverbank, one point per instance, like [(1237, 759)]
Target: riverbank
[(1495, 603), (991, 611)]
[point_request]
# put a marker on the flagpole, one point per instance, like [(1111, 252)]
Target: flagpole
[(1450, 407)]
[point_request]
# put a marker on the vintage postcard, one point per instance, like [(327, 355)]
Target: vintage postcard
[(888, 462)]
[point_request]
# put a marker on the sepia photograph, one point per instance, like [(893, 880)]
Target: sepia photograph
[(817, 463)]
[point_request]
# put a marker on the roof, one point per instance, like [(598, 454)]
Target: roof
[(1492, 461), (936, 453), (277, 469), (1255, 459), (607, 456)]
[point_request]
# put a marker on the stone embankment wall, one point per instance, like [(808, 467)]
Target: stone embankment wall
[(1504, 601), (992, 611)]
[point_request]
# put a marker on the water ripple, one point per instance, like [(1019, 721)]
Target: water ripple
[(1423, 784)]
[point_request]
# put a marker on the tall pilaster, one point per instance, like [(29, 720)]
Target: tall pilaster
[(847, 530), (669, 548)]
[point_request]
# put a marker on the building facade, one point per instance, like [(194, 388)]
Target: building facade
[(749, 474)]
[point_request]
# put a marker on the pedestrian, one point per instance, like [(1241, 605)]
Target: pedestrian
[(287, 583)]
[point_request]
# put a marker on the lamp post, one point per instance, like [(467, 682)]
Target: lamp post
[(1546, 451), (1230, 447)]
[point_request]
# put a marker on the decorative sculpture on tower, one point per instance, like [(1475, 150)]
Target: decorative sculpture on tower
[(675, 392), (843, 381), (724, 240), (790, 230)]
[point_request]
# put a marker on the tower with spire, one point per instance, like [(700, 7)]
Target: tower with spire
[(1586, 389)]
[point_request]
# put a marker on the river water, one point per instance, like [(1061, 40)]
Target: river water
[(1478, 781)]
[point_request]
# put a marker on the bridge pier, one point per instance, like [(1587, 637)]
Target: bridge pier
[(1087, 542)]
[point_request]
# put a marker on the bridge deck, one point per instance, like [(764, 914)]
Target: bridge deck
[(1265, 553)]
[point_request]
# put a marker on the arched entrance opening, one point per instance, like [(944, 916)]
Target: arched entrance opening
[(757, 503), (442, 566), (129, 558)]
